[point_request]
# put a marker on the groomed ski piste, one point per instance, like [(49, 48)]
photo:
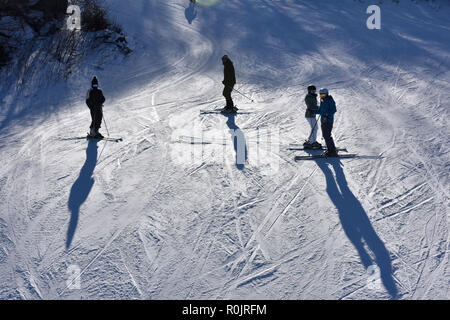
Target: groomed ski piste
[(175, 212)]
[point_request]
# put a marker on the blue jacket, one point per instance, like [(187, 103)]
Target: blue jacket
[(327, 109)]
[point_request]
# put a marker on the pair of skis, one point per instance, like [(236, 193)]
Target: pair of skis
[(104, 138), (321, 156), (223, 111), (300, 147)]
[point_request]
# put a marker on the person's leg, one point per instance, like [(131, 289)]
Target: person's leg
[(92, 131), (313, 132), (92, 126), (326, 131), (227, 95), (224, 93), (98, 118), (230, 98)]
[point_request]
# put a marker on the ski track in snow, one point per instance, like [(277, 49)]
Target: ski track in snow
[(153, 227)]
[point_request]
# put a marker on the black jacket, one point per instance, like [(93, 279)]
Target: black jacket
[(311, 105), (229, 77), (95, 98)]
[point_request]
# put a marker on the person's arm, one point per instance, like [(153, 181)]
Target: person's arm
[(226, 76), (326, 112), (88, 98), (319, 110), (229, 76), (233, 75), (311, 103), (102, 98)]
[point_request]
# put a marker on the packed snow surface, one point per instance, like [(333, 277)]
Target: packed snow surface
[(192, 206)]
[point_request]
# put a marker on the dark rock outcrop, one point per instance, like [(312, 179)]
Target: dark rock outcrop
[(51, 7)]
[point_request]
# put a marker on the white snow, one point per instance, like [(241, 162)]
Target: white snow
[(170, 212)]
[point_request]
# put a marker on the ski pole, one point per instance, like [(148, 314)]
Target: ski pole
[(241, 93), (244, 95), (106, 127)]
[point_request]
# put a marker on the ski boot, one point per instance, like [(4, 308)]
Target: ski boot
[(92, 133), (229, 110), (307, 145), (95, 134), (316, 145), (98, 135), (330, 154)]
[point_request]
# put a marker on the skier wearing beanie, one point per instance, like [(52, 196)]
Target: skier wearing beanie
[(94, 101), (311, 106), (229, 81)]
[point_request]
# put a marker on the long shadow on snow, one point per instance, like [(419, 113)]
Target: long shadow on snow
[(81, 189), (356, 223), (239, 142)]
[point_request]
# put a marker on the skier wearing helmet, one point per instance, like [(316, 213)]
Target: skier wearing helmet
[(327, 110)]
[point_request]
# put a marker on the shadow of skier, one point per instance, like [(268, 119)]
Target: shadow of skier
[(81, 189), (190, 12), (238, 138), (356, 223)]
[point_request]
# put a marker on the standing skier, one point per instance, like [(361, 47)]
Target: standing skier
[(311, 106), (94, 101), (229, 81), (327, 110)]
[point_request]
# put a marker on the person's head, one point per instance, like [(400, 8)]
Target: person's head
[(323, 93), (312, 89), (225, 58), (94, 82)]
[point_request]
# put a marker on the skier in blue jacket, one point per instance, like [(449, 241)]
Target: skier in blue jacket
[(327, 110)]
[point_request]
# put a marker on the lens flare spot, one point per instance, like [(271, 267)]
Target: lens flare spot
[(207, 3)]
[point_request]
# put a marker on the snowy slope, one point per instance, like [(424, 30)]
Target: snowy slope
[(166, 214)]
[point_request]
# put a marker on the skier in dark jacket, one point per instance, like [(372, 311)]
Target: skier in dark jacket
[(94, 101), (327, 110), (229, 81), (311, 105)]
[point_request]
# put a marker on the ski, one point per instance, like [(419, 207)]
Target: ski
[(221, 111), (85, 137), (301, 148), (105, 138), (319, 156)]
